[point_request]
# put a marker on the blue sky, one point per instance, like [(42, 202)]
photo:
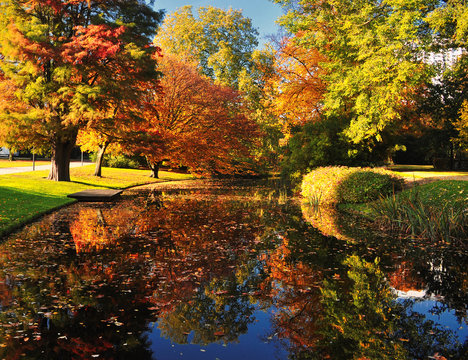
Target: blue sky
[(263, 13)]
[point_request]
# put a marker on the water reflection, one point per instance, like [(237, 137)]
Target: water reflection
[(203, 267)]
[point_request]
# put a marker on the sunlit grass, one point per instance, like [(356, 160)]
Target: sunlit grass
[(5, 163), (24, 196), (435, 211), (410, 167), (431, 174), (436, 194), (423, 171)]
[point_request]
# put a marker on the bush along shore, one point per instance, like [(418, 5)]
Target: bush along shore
[(437, 211)]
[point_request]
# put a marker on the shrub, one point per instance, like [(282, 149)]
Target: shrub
[(123, 162), (339, 184), (119, 161)]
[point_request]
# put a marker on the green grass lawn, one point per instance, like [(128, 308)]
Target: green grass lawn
[(24, 196), (440, 193)]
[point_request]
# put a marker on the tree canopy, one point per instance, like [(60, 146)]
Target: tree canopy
[(220, 41), (66, 63), (194, 122), (371, 56)]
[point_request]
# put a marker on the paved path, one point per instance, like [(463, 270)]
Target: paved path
[(13, 170)]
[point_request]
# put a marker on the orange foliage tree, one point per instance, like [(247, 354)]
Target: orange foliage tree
[(297, 88), (194, 122), (70, 61)]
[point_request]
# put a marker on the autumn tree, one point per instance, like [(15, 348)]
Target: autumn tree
[(449, 22), (462, 126), (69, 62), (371, 55), (441, 103), (194, 122), (220, 41), (297, 88)]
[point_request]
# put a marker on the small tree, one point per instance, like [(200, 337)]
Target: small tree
[(194, 122)]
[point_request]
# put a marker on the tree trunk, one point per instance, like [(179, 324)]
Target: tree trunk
[(155, 169), (451, 156), (100, 159), (61, 153), (11, 157)]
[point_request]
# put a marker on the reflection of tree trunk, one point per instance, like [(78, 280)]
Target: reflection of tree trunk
[(100, 217), (61, 153), (154, 166), (100, 158)]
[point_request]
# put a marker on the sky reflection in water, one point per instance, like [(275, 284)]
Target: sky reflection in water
[(224, 271)]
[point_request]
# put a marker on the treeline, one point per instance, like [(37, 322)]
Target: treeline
[(350, 83)]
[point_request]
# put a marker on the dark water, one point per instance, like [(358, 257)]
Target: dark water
[(226, 271)]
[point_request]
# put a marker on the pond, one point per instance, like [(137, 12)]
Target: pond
[(226, 270)]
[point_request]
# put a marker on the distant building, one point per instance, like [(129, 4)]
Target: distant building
[(444, 59), (4, 151)]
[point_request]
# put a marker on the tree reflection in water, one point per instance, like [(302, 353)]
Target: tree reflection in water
[(91, 279)]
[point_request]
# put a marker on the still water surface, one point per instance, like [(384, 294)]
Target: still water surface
[(225, 270)]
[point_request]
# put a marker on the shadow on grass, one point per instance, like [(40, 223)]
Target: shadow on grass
[(90, 184)]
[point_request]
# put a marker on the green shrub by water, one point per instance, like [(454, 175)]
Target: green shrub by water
[(338, 184), (120, 161)]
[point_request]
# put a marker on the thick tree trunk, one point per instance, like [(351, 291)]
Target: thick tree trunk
[(155, 169), (61, 153), (100, 159)]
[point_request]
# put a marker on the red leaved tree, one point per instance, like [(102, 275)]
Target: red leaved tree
[(70, 61), (194, 122)]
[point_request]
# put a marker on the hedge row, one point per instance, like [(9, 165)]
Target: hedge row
[(339, 184)]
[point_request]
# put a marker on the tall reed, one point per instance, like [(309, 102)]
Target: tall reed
[(409, 214)]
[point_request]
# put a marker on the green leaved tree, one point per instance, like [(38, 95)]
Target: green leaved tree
[(221, 41), (372, 51)]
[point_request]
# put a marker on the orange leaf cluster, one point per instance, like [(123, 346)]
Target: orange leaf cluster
[(297, 88)]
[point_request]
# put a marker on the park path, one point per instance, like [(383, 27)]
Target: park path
[(14, 170)]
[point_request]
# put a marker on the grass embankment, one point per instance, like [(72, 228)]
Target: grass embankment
[(421, 172), (436, 211), (25, 196), (432, 209)]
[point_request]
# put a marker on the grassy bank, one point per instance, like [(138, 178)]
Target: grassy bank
[(421, 172), (433, 205), (25, 196), (437, 211)]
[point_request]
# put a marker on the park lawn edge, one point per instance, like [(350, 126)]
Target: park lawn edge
[(429, 190), (7, 230)]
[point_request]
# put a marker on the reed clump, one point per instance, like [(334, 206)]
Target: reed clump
[(410, 214)]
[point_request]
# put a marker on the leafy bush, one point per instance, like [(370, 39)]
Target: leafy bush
[(339, 184), (123, 162), (312, 145), (93, 158), (119, 161)]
